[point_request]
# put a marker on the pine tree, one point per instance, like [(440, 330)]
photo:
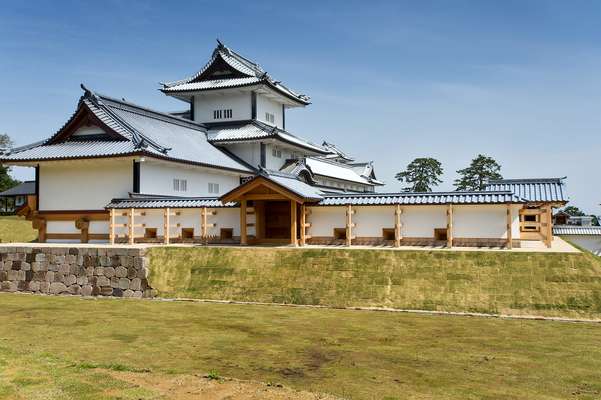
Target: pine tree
[(421, 174), (481, 170), (6, 181)]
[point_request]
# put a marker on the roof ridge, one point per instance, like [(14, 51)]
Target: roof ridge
[(454, 193), (159, 115), (526, 180)]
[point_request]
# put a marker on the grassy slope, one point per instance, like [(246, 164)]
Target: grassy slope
[(495, 282), (16, 229), (47, 345)]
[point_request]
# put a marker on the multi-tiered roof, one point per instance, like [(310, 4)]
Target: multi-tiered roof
[(227, 69)]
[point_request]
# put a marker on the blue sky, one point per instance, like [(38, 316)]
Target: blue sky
[(390, 81)]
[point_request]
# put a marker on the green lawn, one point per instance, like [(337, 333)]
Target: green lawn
[(15, 229), (69, 347)]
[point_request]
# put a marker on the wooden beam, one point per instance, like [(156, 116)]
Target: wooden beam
[(293, 223), (203, 223), (349, 225), (166, 225), (303, 225), (243, 236), (548, 227), (450, 226), (509, 227), (266, 196), (397, 226), (130, 230), (112, 226)]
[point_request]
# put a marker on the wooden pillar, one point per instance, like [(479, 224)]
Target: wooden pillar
[(166, 225), (509, 228), (40, 225), (349, 225), (112, 226), (303, 225), (203, 224), (548, 227), (130, 227), (398, 236), (293, 223), (450, 226), (243, 238), (83, 224)]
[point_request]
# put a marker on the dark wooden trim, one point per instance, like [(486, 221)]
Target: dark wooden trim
[(37, 187), (83, 117), (136, 183), (283, 117), (192, 108), (263, 154), (253, 105)]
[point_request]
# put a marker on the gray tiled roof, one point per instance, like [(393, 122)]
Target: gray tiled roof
[(21, 189), (576, 230), (251, 130), (533, 190), (171, 202), (293, 184), (427, 198), (252, 74), (144, 132)]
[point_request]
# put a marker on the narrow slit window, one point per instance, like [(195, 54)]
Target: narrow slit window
[(213, 188)]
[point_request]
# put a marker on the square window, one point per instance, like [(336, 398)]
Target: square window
[(213, 188)]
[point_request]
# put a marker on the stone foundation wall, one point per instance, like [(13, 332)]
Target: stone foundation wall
[(83, 271)]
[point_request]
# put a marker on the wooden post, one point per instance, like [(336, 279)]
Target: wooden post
[(509, 228), (243, 238), (166, 225), (112, 226), (450, 226), (397, 226), (303, 225), (130, 226), (548, 227), (203, 224), (293, 223), (349, 225)]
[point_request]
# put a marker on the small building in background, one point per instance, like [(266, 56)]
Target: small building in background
[(587, 237), (14, 198)]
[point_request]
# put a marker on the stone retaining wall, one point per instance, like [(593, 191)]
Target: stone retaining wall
[(84, 271)]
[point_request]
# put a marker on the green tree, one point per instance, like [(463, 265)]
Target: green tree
[(481, 170), (6, 181), (573, 211), (421, 174)]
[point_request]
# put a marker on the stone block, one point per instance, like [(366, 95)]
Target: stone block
[(117, 292), (16, 265), (124, 283), (57, 288), (74, 289), (109, 272), (142, 273), (12, 275), (120, 272), (104, 261), (73, 251), (71, 259), (38, 266), (132, 272), (89, 271), (140, 262), (86, 290), (40, 257), (103, 281), (59, 259), (13, 286), (115, 261), (74, 269), (128, 293), (53, 267), (64, 269), (44, 287), (70, 280), (138, 294), (101, 251), (22, 286), (148, 294), (58, 277), (80, 260), (3, 276), (98, 271), (33, 286), (50, 276), (21, 275), (25, 266), (95, 290), (82, 280), (106, 291), (115, 282), (136, 284)]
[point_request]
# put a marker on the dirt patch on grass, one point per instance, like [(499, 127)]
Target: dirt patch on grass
[(187, 387)]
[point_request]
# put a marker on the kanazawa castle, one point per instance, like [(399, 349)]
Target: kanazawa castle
[(229, 170)]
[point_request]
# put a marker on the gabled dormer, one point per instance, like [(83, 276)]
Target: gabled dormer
[(231, 87)]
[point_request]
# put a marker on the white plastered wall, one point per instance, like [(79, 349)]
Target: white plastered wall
[(239, 103), (249, 152), (84, 184), (369, 221), (420, 221), (264, 105), (157, 177), (480, 221), (324, 219)]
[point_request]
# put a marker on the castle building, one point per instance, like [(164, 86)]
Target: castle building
[(228, 170)]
